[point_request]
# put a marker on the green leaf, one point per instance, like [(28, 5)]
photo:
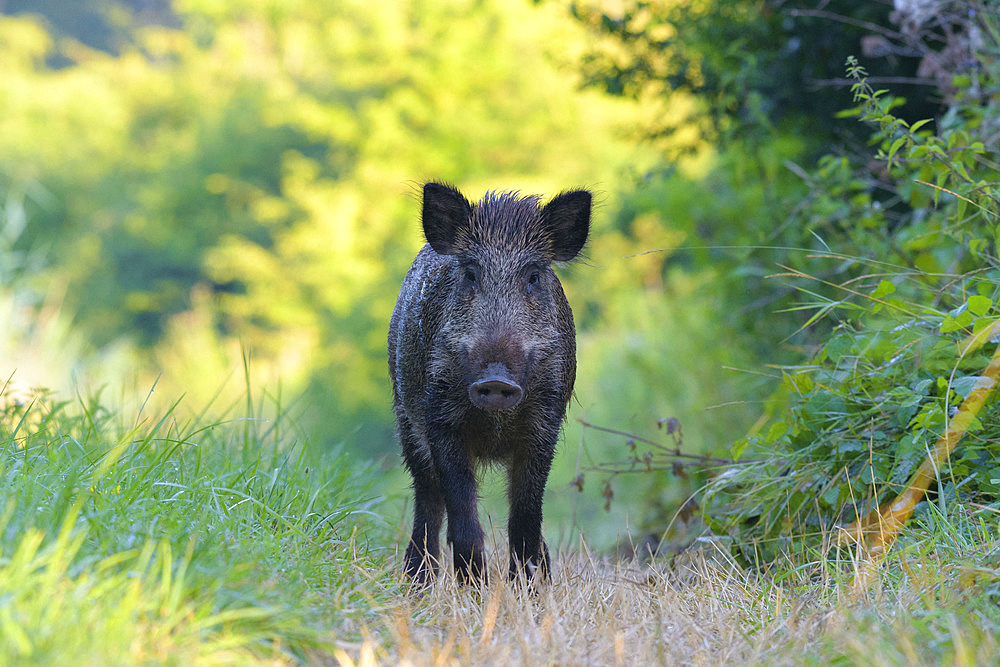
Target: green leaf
[(964, 386), (950, 324), (777, 430), (848, 113), (960, 210), (895, 146), (980, 305), (993, 475), (739, 447), (960, 168), (884, 289), (982, 323)]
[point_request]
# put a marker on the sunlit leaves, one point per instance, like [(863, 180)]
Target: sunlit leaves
[(243, 175)]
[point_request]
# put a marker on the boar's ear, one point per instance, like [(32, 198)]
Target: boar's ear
[(446, 212), (568, 218)]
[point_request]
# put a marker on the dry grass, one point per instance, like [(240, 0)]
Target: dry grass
[(702, 609)]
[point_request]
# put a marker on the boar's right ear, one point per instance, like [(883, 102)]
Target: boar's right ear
[(446, 212), (568, 218)]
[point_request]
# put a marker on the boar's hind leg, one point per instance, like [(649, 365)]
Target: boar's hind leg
[(526, 489), (428, 512)]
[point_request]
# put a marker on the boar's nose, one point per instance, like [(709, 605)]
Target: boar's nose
[(493, 394), (495, 390)]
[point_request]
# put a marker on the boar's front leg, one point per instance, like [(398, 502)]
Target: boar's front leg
[(428, 508), (526, 488), (458, 485)]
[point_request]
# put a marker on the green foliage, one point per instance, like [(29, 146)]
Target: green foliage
[(747, 68), (854, 277), (751, 88), (912, 271), (152, 537)]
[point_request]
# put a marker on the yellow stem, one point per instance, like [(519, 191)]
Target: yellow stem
[(880, 528)]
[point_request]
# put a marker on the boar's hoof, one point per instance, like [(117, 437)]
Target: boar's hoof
[(493, 393), (420, 567)]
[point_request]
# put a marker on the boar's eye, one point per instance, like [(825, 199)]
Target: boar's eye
[(532, 281), (470, 276)]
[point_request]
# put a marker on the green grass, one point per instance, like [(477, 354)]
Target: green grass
[(130, 537), (127, 537)]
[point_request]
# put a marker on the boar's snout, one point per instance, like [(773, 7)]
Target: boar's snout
[(495, 389)]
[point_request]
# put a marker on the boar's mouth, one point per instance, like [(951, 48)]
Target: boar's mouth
[(495, 389)]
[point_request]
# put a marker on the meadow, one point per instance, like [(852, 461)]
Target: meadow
[(134, 537)]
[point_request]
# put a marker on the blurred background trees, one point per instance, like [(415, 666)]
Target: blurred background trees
[(215, 175)]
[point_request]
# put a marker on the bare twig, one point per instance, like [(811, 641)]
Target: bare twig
[(833, 16), (703, 459), (914, 80)]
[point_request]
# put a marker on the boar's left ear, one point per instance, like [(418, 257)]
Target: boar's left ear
[(568, 218), (446, 213)]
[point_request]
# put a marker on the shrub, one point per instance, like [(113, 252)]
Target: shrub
[(910, 269)]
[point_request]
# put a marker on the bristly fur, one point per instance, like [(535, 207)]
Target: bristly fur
[(481, 299), (507, 221)]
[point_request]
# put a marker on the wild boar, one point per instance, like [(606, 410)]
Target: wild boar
[(482, 355)]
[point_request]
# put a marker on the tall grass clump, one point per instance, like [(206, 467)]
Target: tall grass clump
[(131, 537), (903, 267)]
